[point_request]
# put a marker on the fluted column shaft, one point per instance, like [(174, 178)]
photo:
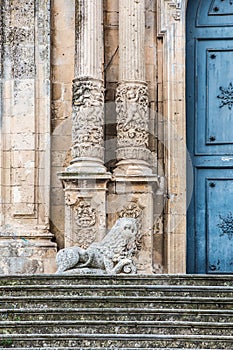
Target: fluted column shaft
[(89, 39), (88, 90), (131, 40), (132, 93)]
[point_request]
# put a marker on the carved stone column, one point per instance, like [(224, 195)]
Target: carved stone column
[(85, 179), (132, 194), (132, 95), (88, 90)]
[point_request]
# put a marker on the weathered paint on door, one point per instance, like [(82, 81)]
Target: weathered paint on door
[(210, 135)]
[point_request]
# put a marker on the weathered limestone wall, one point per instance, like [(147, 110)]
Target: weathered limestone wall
[(25, 239)]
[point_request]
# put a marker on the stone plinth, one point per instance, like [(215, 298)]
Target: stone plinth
[(85, 212)]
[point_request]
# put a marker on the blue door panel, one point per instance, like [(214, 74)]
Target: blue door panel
[(214, 13), (214, 223), (214, 109), (209, 112)]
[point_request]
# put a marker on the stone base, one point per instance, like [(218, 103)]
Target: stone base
[(85, 212), (27, 255)]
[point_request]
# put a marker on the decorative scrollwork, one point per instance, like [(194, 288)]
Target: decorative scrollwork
[(132, 210), (226, 96), (85, 215)]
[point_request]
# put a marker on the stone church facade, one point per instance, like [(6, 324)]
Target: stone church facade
[(93, 128)]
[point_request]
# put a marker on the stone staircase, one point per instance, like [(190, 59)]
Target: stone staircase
[(120, 312)]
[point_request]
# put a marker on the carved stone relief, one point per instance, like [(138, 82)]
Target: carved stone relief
[(132, 210), (132, 121), (85, 215), (84, 219), (132, 114), (88, 118)]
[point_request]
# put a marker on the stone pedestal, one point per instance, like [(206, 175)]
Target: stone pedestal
[(85, 216)]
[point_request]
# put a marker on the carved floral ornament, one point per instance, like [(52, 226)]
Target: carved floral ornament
[(226, 225), (85, 219), (85, 237), (226, 96)]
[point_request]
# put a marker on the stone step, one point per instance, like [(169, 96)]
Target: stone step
[(116, 327), (192, 280), (114, 301), (101, 348), (119, 341), (115, 290), (116, 314)]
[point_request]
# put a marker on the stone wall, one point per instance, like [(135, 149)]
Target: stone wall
[(25, 138)]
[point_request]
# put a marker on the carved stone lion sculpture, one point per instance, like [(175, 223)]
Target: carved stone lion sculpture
[(112, 255)]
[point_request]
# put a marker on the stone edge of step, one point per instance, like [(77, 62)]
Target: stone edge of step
[(84, 348), (122, 299), (132, 287), (123, 336), (158, 324), (117, 310)]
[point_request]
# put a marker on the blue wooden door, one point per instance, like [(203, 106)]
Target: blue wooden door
[(209, 94)]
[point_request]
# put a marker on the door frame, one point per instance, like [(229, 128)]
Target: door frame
[(171, 44)]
